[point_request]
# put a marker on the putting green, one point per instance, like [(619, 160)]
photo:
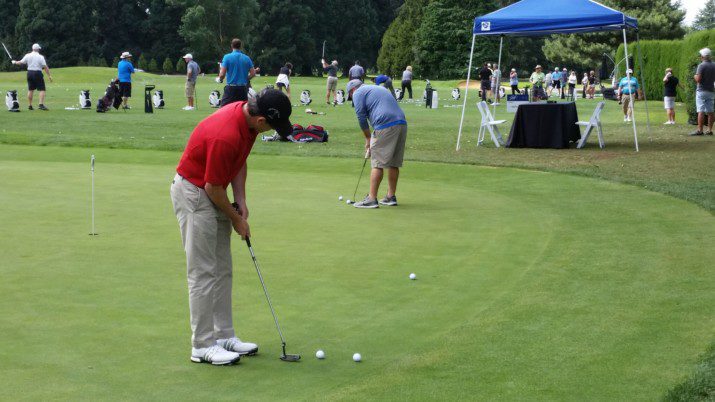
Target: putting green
[(530, 285)]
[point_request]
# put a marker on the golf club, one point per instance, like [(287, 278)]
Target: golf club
[(323, 50), (284, 356), (364, 162), (8, 52), (93, 232)]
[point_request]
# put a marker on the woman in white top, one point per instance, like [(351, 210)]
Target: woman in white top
[(514, 82), (573, 80), (584, 82)]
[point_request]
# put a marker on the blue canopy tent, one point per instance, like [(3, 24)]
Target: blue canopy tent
[(564, 17)]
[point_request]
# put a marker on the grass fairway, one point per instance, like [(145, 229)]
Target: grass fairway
[(530, 285)]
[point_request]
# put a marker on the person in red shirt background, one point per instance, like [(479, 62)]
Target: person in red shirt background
[(215, 157)]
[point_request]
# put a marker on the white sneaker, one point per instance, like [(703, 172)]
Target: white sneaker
[(188, 108), (235, 345), (625, 118), (215, 355)]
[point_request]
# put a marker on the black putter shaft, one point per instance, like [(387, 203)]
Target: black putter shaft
[(367, 155), (284, 356)]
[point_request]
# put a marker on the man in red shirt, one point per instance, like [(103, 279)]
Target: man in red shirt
[(215, 157)]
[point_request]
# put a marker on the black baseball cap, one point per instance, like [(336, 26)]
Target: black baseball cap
[(275, 106)]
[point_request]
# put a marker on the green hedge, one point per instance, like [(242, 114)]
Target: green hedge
[(681, 55)]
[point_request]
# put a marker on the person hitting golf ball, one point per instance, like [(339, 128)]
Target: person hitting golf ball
[(215, 157), (376, 107)]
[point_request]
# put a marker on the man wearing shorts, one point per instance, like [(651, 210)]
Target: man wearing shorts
[(215, 157), (283, 79), (192, 72), (670, 83), (485, 76), (35, 63), (374, 106), (628, 89), (125, 69), (332, 83), (238, 70), (705, 92)]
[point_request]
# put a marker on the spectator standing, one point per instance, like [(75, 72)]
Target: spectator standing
[(496, 83), (485, 76), (386, 82), (192, 72), (573, 80), (556, 81), (548, 83), (35, 63), (514, 82), (705, 92), (670, 83), (237, 68), (627, 88), (356, 72), (537, 82), (406, 82), (283, 79), (592, 84), (564, 82), (584, 83), (125, 69), (386, 145), (332, 83)]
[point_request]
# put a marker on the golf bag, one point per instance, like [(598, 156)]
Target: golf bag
[(111, 98), (398, 93), (305, 98), (340, 96), (609, 93), (456, 94), (308, 134), (85, 102), (158, 99), (215, 98), (251, 93), (11, 101)]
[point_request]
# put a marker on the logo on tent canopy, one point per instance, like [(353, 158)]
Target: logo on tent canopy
[(486, 26)]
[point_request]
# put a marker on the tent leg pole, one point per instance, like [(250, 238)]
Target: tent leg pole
[(645, 91), (497, 80), (466, 91), (628, 76)]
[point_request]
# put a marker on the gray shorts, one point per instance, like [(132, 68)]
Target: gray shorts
[(704, 101), (387, 147), (332, 83)]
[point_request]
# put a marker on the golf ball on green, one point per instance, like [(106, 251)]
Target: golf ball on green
[(413, 276), (320, 354), (348, 202), (340, 198), (357, 357)]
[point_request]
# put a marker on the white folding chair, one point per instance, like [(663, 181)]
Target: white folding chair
[(489, 124), (593, 122)]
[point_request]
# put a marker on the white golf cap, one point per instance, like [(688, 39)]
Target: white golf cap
[(188, 56), (629, 71), (705, 52), (125, 55), (556, 69), (36, 46)]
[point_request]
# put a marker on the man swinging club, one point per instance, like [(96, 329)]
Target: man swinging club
[(215, 157)]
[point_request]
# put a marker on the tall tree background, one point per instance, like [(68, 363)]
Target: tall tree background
[(705, 19), (657, 19), (399, 42)]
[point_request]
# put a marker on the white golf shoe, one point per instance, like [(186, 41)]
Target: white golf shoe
[(236, 345), (215, 355)]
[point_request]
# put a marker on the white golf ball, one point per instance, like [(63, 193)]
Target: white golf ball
[(320, 354), (348, 202), (340, 198), (413, 276), (357, 357)]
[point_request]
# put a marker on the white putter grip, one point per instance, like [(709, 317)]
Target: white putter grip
[(91, 163)]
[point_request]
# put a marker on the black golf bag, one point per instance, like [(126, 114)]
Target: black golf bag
[(340, 96), (11, 101), (158, 99), (111, 98), (215, 98), (305, 98), (85, 102), (148, 104), (609, 93), (300, 134)]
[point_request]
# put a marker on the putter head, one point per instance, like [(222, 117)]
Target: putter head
[(290, 358)]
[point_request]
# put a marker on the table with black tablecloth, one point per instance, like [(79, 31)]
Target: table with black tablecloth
[(544, 125)]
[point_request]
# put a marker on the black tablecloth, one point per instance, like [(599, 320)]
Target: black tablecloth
[(544, 125)]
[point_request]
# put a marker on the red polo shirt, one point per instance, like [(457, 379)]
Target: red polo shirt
[(218, 148)]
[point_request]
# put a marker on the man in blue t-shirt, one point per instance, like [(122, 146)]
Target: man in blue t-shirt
[(125, 69), (237, 69), (386, 82), (628, 87)]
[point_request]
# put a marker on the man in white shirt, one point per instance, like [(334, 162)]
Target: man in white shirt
[(35, 81)]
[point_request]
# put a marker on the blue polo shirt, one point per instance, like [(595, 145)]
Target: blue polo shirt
[(237, 67), (556, 76), (125, 69), (628, 88), (377, 105), (380, 79)]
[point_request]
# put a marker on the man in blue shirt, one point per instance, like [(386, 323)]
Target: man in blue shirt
[(386, 82), (628, 88), (125, 69), (556, 80), (238, 69), (374, 106), (356, 72)]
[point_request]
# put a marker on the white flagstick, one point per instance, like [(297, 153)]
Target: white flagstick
[(93, 232)]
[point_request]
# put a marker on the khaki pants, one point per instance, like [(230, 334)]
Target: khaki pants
[(626, 100), (387, 147), (206, 235)]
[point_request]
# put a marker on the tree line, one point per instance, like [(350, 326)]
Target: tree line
[(385, 35)]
